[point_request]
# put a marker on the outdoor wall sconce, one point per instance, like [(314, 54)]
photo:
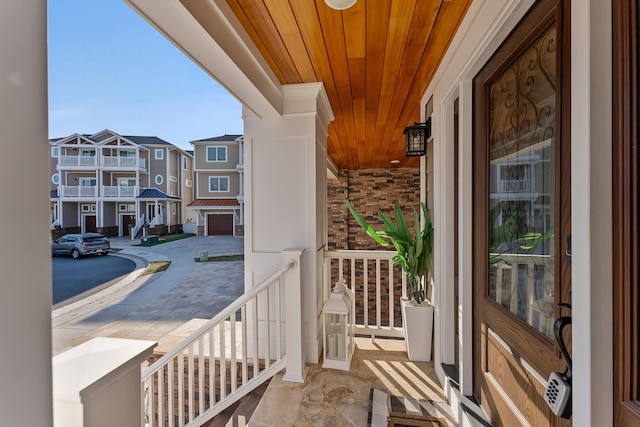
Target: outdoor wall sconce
[(417, 137), (340, 4)]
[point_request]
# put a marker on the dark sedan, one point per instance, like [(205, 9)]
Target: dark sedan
[(78, 245)]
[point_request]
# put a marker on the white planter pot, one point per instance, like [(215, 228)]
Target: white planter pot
[(417, 321)]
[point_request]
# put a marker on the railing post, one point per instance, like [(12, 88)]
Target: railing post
[(295, 370)]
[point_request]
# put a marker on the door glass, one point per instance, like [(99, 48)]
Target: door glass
[(522, 118)]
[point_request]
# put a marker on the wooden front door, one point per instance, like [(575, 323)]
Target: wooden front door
[(522, 216), (90, 224), (626, 202)]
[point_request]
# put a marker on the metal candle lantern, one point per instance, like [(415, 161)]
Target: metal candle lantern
[(337, 327)]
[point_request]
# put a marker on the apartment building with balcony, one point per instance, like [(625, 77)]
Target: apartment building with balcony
[(118, 185), (219, 185)]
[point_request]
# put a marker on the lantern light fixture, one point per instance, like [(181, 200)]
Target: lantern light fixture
[(417, 137)]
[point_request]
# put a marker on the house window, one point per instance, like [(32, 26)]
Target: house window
[(86, 208), (173, 208), (126, 182), (94, 208), (184, 163), (55, 151), (131, 207), (159, 154), (123, 208), (87, 152), (159, 179), (88, 182), (126, 153), (216, 154), (218, 183), (55, 178)]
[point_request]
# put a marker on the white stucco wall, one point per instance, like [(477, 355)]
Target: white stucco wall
[(25, 269)]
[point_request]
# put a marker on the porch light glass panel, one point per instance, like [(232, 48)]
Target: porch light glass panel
[(522, 140)]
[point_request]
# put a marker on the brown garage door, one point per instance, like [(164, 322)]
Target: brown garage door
[(220, 225)]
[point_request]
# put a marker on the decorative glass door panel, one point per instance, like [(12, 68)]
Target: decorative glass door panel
[(522, 119)]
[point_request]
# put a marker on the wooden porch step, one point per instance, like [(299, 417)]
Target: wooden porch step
[(239, 414)]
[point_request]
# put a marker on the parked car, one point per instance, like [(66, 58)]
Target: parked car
[(78, 245)]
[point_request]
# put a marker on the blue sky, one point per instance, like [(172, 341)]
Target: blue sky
[(109, 69)]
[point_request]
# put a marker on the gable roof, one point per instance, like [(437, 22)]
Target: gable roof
[(223, 138), (147, 140)]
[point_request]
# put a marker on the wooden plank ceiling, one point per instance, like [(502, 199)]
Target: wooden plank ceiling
[(375, 60)]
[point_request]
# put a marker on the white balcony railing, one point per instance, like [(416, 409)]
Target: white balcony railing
[(119, 191), (77, 161), (515, 186), (77, 191), (136, 228), (377, 287), (523, 284), (122, 162), (229, 356)]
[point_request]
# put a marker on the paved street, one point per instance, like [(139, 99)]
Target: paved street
[(74, 279), (148, 307)]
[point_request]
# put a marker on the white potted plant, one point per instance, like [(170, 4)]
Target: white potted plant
[(414, 256)]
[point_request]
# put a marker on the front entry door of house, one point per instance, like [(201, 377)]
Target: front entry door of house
[(522, 216)]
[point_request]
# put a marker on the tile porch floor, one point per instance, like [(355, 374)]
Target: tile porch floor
[(336, 398)]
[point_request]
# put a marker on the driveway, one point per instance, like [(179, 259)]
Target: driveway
[(149, 307)]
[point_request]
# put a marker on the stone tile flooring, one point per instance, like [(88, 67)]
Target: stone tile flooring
[(338, 398)]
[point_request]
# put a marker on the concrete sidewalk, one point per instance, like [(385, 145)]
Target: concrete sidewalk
[(148, 307)]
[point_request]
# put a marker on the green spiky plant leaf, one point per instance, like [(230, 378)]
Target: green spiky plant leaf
[(414, 253)]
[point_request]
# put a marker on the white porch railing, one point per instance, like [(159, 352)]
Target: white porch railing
[(77, 191), (516, 186), (156, 220), (55, 223), (123, 162), (523, 285), (119, 191), (377, 287), (137, 227), (227, 357), (77, 161)]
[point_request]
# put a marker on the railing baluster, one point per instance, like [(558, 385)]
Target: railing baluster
[(392, 317), (160, 400), (223, 362), (278, 291), (170, 393), (365, 278), (267, 319), (150, 394), (232, 348), (378, 299), (180, 374), (243, 324), (212, 369), (201, 398), (190, 372), (256, 341)]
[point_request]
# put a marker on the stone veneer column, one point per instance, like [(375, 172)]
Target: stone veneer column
[(286, 196)]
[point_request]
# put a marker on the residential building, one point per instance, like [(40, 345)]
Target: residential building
[(219, 185), (119, 185), (550, 84)]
